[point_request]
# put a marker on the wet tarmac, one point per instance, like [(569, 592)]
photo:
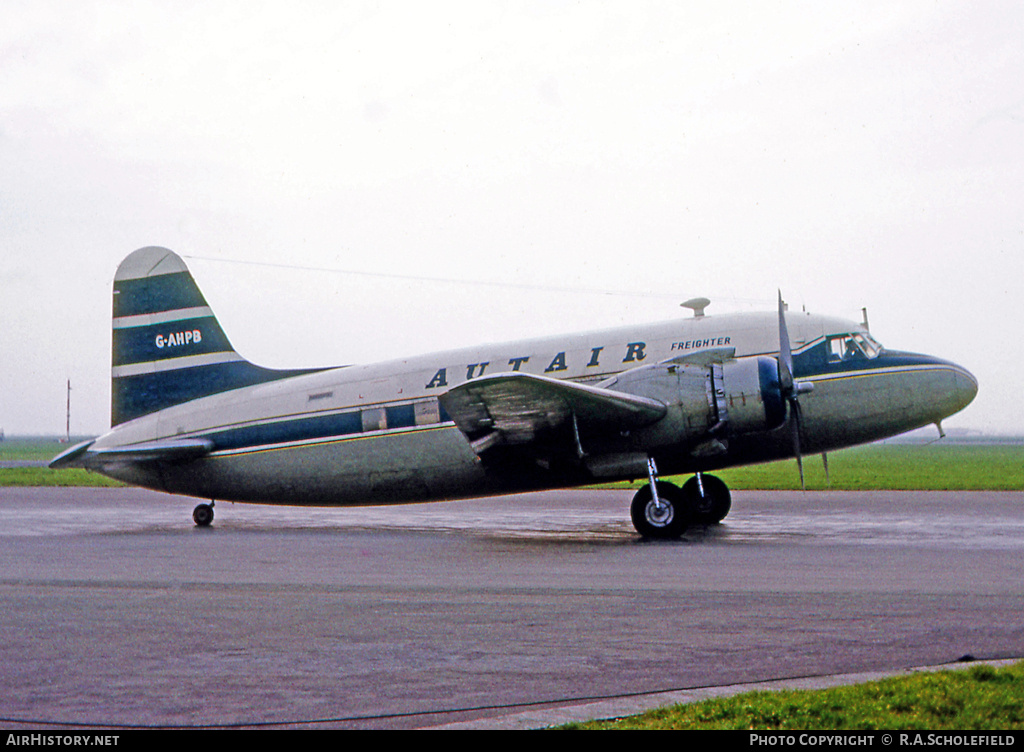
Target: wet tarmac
[(118, 612)]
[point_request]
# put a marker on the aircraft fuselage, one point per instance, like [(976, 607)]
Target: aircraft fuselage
[(377, 433)]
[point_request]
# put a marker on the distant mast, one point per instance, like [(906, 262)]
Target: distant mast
[(67, 438)]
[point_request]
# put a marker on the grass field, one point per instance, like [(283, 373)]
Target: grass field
[(909, 467), (938, 467), (33, 448), (43, 449), (914, 467), (979, 698)]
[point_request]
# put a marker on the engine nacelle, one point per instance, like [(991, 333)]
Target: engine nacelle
[(748, 396), (707, 402)]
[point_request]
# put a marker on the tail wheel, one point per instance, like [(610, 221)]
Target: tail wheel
[(667, 519), (711, 506), (202, 515)]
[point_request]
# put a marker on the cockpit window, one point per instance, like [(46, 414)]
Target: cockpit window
[(843, 347)]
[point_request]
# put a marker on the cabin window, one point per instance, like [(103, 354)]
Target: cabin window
[(374, 419), (426, 413)]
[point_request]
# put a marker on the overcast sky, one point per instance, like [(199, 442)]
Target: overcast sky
[(567, 165)]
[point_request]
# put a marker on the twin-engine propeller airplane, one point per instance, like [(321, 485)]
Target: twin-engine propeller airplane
[(191, 416)]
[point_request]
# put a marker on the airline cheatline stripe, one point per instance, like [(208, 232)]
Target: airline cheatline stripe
[(148, 319), (173, 364), (881, 370)]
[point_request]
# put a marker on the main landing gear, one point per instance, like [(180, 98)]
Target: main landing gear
[(202, 515), (663, 510)]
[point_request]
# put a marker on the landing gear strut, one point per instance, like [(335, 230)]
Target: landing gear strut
[(202, 515), (663, 510)]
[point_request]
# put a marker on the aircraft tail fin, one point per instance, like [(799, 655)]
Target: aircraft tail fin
[(168, 347)]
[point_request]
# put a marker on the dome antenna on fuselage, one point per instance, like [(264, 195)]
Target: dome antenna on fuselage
[(697, 305)]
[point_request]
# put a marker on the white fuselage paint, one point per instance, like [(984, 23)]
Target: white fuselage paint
[(431, 459)]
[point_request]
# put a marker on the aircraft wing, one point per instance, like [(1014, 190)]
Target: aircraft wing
[(705, 357), (516, 408), (83, 455)]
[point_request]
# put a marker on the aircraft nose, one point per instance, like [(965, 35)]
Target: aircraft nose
[(937, 388), (965, 387)]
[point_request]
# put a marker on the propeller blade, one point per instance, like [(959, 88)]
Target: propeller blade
[(789, 388), (824, 459), (795, 433), (785, 352)]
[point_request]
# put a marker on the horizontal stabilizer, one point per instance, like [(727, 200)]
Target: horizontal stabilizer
[(70, 457), (520, 406), (168, 450)]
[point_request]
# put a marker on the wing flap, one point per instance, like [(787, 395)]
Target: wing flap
[(520, 407)]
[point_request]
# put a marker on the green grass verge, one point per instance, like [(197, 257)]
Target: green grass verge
[(892, 467), (936, 467), (44, 476), (978, 698), (44, 449), (34, 448)]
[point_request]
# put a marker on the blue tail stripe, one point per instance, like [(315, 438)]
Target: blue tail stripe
[(146, 344), (164, 292), (168, 347)]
